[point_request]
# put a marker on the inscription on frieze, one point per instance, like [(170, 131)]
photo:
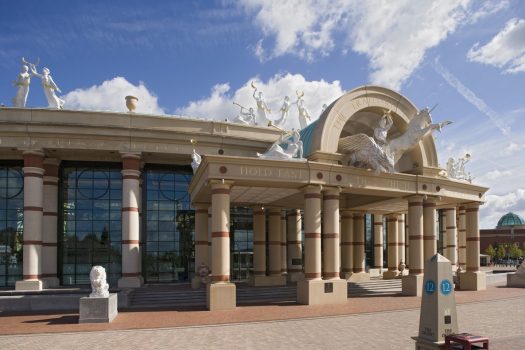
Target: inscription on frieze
[(286, 174)]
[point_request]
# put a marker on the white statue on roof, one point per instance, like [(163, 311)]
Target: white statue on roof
[(304, 114), (262, 107), (22, 83), (381, 154), (196, 158), (456, 169), (246, 116), (285, 108), (50, 87), (288, 147)]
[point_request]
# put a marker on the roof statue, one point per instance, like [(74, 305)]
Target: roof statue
[(381, 154), (50, 87), (304, 114), (456, 168), (22, 83), (246, 116), (195, 157), (262, 107), (288, 147), (285, 108)]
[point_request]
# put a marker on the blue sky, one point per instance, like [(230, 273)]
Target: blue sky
[(195, 58)]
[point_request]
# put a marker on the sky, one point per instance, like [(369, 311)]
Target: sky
[(196, 58)]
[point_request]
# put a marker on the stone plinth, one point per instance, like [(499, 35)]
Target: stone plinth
[(98, 310), (412, 285), (472, 281), (221, 296), (322, 292), (516, 280), (29, 285), (359, 277)]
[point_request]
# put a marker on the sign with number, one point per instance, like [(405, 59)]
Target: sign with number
[(445, 287), (430, 287)]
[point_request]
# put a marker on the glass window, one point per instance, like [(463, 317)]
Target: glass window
[(91, 222), (168, 224), (11, 224)]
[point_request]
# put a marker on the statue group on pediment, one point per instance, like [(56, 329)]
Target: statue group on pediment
[(24, 79), (456, 168), (380, 153), (261, 114)]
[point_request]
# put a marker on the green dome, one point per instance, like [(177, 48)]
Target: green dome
[(510, 219)]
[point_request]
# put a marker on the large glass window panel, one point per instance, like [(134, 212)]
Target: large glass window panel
[(91, 222), (11, 224)]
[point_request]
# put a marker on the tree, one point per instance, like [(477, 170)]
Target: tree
[(515, 252), (501, 252), (490, 251)]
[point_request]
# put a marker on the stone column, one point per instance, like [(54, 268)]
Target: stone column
[(442, 231), (295, 250), (392, 244), (210, 252), (407, 243), (331, 253), (429, 232), (50, 231), (309, 288), (33, 221), (378, 242), (473, 278), (220, 293), (359, 273), (201, 240), (462, 238), (283, 242), (451, 235), (259, 245), (347, 243), (401, 239), (131, 269), (274, 242), (413, 283)]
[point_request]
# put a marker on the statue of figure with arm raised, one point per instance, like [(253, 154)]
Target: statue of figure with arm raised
[(22, 83), (50, 87)]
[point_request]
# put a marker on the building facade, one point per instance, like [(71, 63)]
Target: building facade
[(83, 188)]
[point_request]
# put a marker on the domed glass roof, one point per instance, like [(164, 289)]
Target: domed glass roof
[(510, 219)]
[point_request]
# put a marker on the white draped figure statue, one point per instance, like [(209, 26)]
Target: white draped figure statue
[(381, 154), (50, 87), (262, 107), (284, 112), (22, 84), (304, 114), (288, 147), (195, 161), (246, 116), (99, 286)]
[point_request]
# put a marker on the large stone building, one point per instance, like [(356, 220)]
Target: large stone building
[(84, 188), (510, 229)]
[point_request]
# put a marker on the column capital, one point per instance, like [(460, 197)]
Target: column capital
[(312, 189), (216, 183), (131, 161), (472, 205), (415, 199), (201, 206), (33, 158)]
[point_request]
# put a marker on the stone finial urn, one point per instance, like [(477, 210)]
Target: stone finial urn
[(131, 103)]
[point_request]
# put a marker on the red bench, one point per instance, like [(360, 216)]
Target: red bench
[(465, 341)]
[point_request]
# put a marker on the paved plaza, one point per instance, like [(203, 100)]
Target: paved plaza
[(502, 320)]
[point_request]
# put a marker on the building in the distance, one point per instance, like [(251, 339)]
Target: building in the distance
[(509, 230), (84, 188)]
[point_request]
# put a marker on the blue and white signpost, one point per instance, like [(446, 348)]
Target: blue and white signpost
[(438, 305)]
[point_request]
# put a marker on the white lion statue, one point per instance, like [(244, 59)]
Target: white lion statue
[(99, 286)]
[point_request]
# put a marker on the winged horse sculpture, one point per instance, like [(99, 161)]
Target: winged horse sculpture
[(364, 151)]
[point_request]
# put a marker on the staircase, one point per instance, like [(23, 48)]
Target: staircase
[(170, 296)]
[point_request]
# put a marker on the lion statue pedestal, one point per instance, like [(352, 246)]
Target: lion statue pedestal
[(100, 306)]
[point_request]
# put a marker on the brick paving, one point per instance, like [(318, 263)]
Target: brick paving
[(361, 323)]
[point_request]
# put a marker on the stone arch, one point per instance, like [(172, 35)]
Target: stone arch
[(357, 111)]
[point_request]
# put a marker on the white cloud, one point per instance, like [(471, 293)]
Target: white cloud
[(506, 50), (513, 147), (219, 105), (497, 174), (109, 96), (394, 35), (471, 97), (499, 205), (488, 8)]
